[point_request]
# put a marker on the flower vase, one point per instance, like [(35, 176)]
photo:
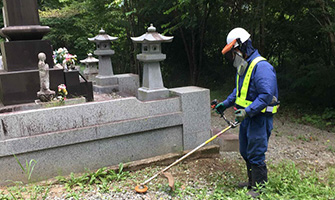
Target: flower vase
[(65, 67), (72, 67)]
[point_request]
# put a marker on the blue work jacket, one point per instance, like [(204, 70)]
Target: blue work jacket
[(262, 87)]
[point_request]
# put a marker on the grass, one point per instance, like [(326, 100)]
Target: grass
[(199, 179), (331, 148), (323, 119), (54, 103), (286, 181), (307, 138), (100, 178), (29, 167)]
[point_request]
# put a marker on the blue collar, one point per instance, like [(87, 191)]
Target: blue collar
[(253, 56)]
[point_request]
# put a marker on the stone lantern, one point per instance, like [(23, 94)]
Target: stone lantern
[(91, 70), (106, 82), (152, 86)]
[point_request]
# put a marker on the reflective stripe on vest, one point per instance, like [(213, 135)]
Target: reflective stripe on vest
[(242, 99)]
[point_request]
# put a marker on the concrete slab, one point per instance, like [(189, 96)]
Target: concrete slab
[(128, 84), (227, 141), (145, 94), (210, 151)]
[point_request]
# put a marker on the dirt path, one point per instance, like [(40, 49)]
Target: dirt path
[(290, 141)]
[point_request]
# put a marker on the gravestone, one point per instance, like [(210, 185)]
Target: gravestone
[(20, 13), (19, 79), (24, 32)]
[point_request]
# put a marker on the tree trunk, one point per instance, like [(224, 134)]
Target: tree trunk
[(194, 48), (128, 6), (190, 55), (262, 29), (202, 32), (328, 24)]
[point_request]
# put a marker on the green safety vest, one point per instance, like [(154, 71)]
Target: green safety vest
[(242, 99)]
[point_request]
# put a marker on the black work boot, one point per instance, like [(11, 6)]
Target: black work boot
[(249, 183), (259, 177)]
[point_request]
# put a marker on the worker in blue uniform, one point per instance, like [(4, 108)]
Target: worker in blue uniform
[(256, 100)]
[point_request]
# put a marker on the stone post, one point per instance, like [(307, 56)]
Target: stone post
[(152, 86), (195, 104)]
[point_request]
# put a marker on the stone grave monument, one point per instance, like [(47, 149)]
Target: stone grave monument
[(24, 32), (152, 86), (19, 80)]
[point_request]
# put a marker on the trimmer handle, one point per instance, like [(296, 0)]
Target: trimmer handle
[(214, 103), (219, 110)]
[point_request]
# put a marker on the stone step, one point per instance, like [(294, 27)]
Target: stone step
[(210, 151), (227, 141)]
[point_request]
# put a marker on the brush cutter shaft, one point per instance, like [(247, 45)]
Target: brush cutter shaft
[(186, 155)]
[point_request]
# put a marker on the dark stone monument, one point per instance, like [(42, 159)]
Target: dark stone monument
[(20, 80), (27, 52), (24, 32), (21, 13), (21, 87)]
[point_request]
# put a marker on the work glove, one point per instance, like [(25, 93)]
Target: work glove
[(220, 108), (240, 115)]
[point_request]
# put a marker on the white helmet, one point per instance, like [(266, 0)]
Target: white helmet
[(236, 33)]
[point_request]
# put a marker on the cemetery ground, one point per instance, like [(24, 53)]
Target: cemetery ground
[(300, 158)]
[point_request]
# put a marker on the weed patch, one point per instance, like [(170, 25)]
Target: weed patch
[(28, 169), (324, 120), (101, 178)]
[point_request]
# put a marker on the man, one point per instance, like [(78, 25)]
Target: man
[(255, 98)]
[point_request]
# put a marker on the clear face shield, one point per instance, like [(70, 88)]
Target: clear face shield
[(235, 57), (239, 63)]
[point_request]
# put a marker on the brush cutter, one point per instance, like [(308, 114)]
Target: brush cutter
[(142, 188)]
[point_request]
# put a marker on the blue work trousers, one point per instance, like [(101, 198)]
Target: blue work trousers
[(254, 136)]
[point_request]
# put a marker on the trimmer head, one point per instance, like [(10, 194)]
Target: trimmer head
[(141, 188)]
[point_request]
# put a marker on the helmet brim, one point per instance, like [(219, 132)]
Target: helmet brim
[(228, 47)]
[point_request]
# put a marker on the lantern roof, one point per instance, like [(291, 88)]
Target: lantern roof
[(102, 37), (152, 36), (89, 59)]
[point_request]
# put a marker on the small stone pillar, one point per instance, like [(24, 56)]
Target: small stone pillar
[(152, 86), (106, 82), (91, 70), (45, 94)]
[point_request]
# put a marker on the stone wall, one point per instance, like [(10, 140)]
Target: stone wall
[(93, 135)]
